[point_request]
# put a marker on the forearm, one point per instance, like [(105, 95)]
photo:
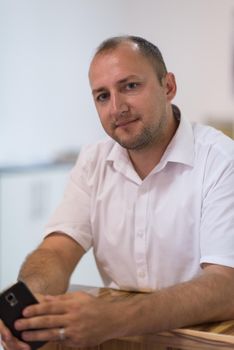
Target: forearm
[(208, 298), (44, 272)]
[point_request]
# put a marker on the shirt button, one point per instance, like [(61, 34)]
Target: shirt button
[(140, 233), (141, 274)]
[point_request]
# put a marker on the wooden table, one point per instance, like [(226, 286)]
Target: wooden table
[(213, 336)]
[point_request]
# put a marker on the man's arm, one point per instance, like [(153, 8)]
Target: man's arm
[(205, 299), (209, 297), (48, 269)]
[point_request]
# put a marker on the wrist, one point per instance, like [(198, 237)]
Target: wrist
[(129, 316)]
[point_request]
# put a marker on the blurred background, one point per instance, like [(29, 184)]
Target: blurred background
[(46, 109)]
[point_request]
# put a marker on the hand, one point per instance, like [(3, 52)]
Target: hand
[(9, 342), (86, 320)]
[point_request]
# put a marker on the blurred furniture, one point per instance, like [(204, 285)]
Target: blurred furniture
[(226, 126), (214, 336), (28, 196)]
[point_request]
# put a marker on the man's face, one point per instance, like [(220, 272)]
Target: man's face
[(132, 104)]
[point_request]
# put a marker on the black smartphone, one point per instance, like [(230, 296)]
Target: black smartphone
[(12, 302)]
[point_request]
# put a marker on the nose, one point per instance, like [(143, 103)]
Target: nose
[(118, 105)]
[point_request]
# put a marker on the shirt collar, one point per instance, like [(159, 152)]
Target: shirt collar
[(119, 157), (181, 148)]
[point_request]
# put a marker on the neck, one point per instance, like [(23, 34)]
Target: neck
[(145, 159)]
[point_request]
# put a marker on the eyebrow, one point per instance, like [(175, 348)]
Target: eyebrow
[(119, 82)]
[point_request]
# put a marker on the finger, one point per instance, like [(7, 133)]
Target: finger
[(8, 341), (40, 322), (4, 332), (46, 307), (42, 335), (14, 344)]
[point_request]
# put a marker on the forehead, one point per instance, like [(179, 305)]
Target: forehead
[(117, 63)]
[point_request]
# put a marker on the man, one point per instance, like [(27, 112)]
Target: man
[(155, 200)]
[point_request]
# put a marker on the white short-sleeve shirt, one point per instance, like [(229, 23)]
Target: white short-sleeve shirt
[(153, 233)]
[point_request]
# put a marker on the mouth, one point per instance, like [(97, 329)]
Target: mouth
[(125, 122)]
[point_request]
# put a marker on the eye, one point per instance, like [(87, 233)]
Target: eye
[(102, 97), (132, 86)]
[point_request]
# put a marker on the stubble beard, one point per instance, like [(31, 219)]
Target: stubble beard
[(149, 136)]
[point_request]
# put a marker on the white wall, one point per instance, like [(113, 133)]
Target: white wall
[(197, 40), (46, 46)]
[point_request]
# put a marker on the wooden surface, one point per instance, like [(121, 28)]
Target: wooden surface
[(213, 336)]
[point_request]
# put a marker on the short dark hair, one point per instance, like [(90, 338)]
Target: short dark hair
[(146, 48)]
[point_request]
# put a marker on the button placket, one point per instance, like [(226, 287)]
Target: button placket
[(140, 237)]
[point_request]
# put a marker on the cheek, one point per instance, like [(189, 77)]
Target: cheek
[(156, 106), (143, 104), (101, 113)]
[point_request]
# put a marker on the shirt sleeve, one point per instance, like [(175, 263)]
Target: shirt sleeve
[(217, 223), (72, 216)]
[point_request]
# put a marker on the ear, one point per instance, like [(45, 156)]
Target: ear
[(170, 86)]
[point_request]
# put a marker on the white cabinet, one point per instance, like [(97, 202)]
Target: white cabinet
[(27, 199)]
